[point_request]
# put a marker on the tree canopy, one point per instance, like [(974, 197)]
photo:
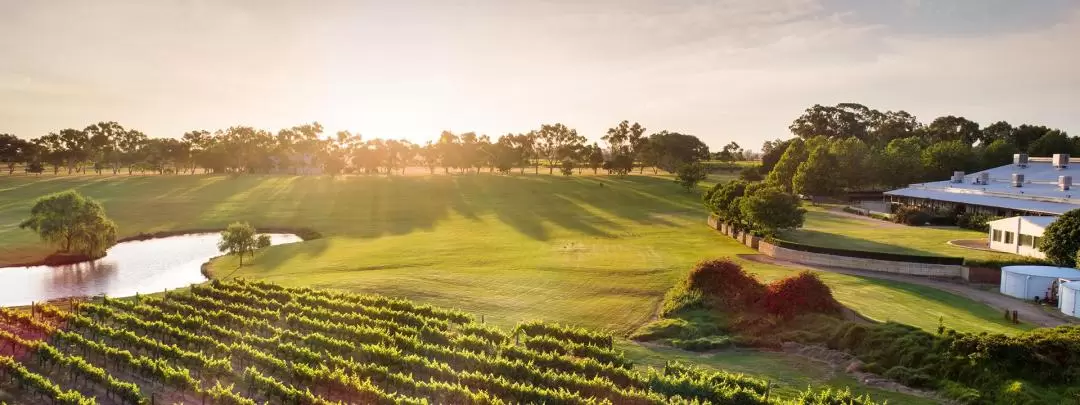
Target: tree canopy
[(1061, 239), (72, 222), (240, 239)]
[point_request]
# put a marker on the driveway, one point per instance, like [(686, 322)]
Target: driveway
[(1025, 311)]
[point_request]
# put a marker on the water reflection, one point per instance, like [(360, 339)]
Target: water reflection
[(138, 266)]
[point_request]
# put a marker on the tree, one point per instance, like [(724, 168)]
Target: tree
[(902, 162), (839, 121), (998, 131), (690, 174), (751, 173), (732, 151), (942, 158), (998, 152), (1053, 141), (240, 238), (555, 141), (672, 150), (770, 210), (596, 157), (784, 172), (74, 223), (771, 152), (1061, 239), (817, 175), (952, 128), (13, 151), (724, 201), (852, 159)]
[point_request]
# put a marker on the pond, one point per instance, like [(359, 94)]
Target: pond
[(145, 266)]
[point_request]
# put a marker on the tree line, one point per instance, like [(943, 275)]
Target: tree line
[(852, 147), (108, 147)]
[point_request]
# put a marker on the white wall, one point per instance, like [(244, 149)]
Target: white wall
[(1017, 227), (1069, 301)]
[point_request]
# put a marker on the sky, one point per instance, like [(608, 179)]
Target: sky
[(734, 70)]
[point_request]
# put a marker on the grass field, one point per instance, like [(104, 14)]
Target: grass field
[(596, 251), (827, 229)]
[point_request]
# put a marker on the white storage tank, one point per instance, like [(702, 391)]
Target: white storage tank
[(1027, 282), (1069, 298)]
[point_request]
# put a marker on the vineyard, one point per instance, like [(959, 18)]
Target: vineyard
[(241, 342)]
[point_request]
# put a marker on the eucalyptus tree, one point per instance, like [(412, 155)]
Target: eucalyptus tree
[(555, 141)]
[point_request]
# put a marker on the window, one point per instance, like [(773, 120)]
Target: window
[(997, 235), (1035, 242), (1026, 240), (1009, 237)]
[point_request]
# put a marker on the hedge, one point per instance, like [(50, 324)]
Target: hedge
[(862, 254)]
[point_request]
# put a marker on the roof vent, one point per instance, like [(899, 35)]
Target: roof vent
[(1061, 160), (1020, 160), (984, 178), (1017, 180), (1065, 182), (957, 177)]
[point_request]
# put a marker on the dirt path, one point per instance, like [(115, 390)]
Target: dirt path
[(1026, 312)]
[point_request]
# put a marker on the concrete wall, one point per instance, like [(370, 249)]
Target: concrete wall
[(856, 263)]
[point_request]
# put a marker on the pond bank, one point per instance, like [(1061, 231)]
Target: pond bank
[(63, 259)]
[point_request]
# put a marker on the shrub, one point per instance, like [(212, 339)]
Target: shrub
[(663, 329), (751, 173), (702, 344), (724, 284), (959, 392), (911, 215), (975, 221), (909, 377), (804, 293)]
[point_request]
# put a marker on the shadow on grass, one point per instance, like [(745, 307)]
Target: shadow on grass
[(944, 298), (840, 241), (371, 206)]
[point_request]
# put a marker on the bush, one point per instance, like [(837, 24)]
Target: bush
[(804, 293), (959, 392), (909, 377), (724, 284), (751, 174), (911, 215), (975, 221), (702, 344)]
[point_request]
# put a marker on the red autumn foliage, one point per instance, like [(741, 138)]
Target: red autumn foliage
[(726, 284), (802, 294)]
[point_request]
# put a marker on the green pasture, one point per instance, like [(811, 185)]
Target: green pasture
[(596, 251)]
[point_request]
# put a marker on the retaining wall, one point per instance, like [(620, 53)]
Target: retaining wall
[(973, 274), (856, 263)]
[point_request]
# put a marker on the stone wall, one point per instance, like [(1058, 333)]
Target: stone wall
[(856, 263)]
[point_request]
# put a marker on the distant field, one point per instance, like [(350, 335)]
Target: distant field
[(829, 230), (597, 251)]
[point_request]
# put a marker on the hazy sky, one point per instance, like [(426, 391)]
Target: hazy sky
[(722, 70)]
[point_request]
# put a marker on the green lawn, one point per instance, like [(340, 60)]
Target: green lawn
[(829, 230), (596, 251), (788, 374)]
